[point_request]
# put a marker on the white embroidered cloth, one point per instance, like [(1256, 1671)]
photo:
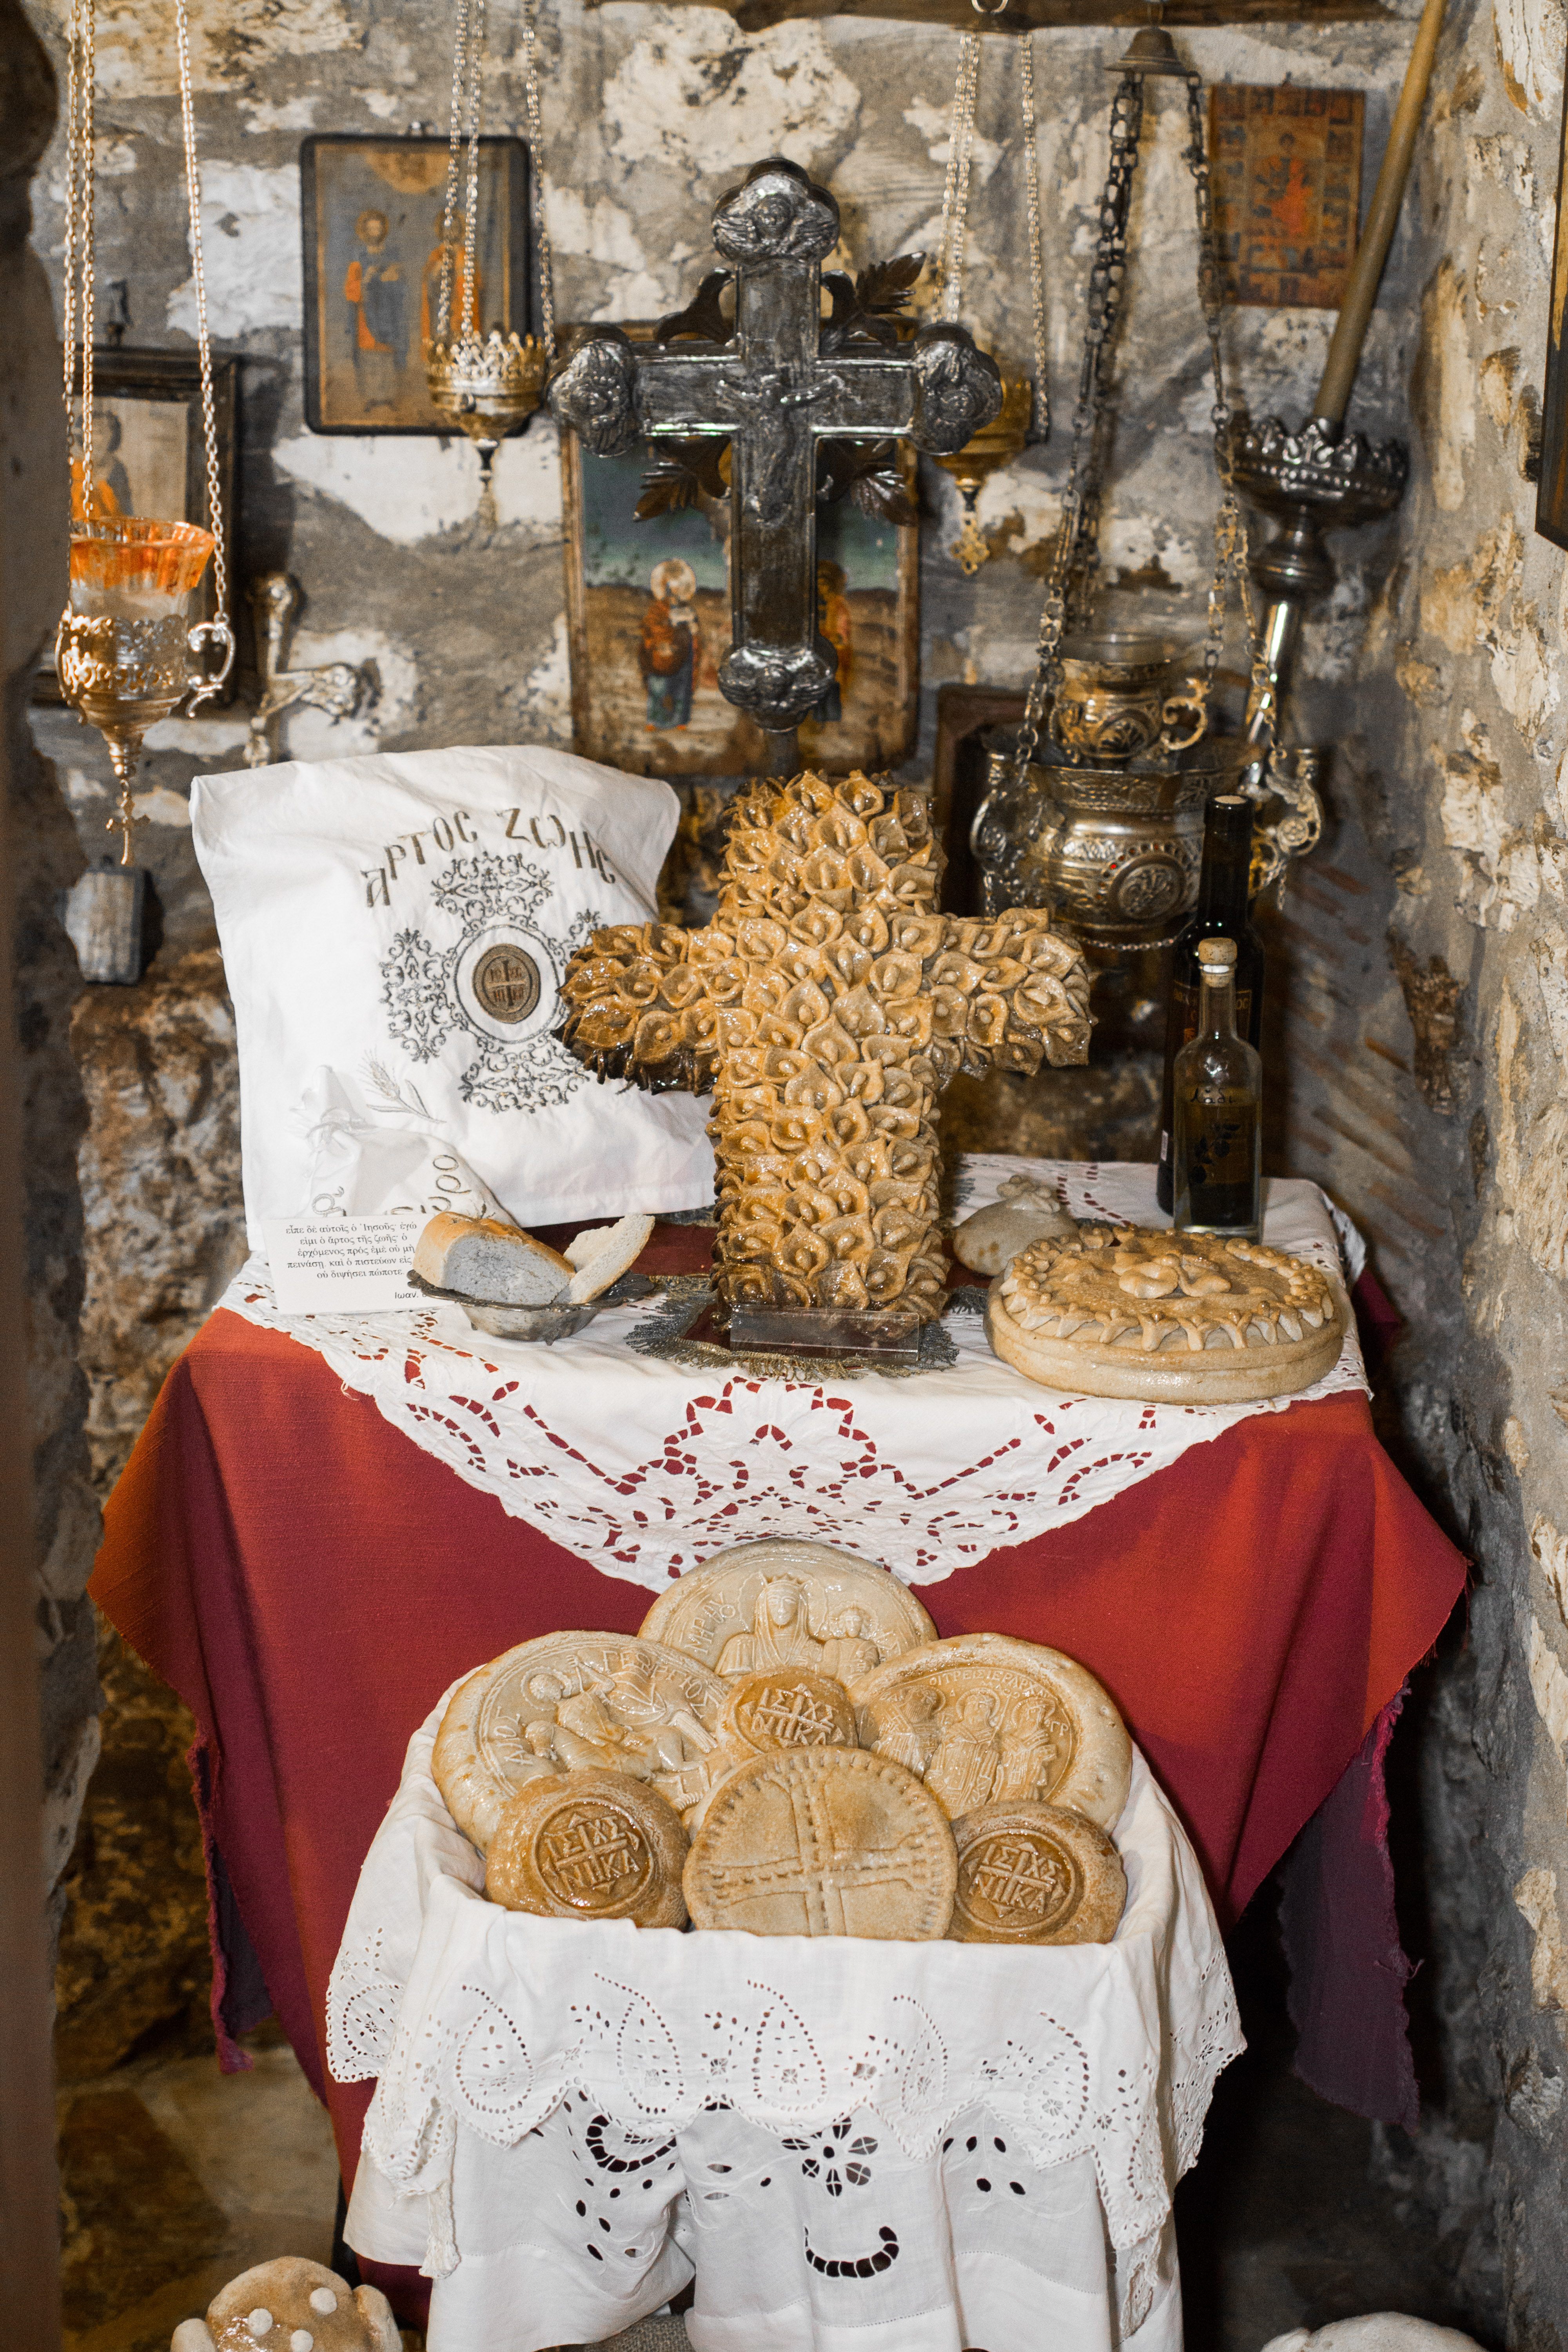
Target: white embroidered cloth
[(643, 1467), (852, 2144)]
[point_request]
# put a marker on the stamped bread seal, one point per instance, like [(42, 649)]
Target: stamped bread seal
[(1034, 1874), (784, 1603), (576, 1703), (823, 1842), (987, 1720), (1167, 1318), (589, 1845)]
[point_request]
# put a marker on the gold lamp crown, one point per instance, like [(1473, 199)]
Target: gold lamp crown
[(995, 446), (484, 381)]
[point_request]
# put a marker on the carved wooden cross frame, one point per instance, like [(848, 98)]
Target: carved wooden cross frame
[(773, 393)]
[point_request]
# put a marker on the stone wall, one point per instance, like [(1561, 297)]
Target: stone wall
[(1421, 1013)]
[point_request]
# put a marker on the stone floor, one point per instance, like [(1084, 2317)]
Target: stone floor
[(175, 2177)]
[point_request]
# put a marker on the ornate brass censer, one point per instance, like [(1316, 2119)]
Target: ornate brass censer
[(128, 650), (488, 385)]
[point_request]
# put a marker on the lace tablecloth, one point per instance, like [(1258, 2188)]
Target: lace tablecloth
[(643, 1467), (908, 2146)]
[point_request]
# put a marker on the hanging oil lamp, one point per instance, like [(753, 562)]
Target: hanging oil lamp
[(1023, 418), (128, 651), (488, 385)]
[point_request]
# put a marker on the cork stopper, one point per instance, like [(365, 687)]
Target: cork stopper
[(1217, 958)]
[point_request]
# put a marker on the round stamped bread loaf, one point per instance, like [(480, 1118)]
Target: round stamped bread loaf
[(823, 1842), (1167, 1318), (575, 1702), (589, 1845), (784, 1602), (500, 1266), (986, 1720), (1034, 1874)]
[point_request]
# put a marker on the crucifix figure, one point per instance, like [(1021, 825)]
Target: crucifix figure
[(777, 386), (826, 1005)]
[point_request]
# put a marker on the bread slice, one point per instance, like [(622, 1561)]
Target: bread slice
[(482, 1259), (618, 1245)]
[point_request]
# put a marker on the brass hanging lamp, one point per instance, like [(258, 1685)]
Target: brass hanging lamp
[(128, 651), (489, 385)]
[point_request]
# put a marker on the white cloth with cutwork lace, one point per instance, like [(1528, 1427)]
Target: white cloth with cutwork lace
[(856, 2146), (642, 1467)]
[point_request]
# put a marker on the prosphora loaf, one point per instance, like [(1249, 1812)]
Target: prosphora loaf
[(984, 1719), (823, 1842), (589, 1845), (1035, 1873), (482, 1259)]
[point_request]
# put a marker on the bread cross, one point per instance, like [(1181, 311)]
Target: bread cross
[(827, 1004)]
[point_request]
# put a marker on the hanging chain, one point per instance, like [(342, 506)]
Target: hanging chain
[(203, 346), (79, 302), (1041, 427), (955, 189), (454, 158), (1230, 528), (471, 321), (536, 149), (1076, 552)]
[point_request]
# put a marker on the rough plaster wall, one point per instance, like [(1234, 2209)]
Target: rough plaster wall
[(1427, 1030), (1421, 1016), (45, 982)]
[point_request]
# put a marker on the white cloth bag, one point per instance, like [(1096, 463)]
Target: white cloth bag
[(404, 921)]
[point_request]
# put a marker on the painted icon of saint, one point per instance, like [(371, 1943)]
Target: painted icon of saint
[(374, 291), (669, 643)]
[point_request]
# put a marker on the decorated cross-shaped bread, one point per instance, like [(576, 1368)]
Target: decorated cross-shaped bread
[(826, 1005)]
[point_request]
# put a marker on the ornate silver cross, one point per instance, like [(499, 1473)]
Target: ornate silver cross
[(777, 385)]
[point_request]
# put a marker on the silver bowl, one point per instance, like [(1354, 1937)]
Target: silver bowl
[(547, 1323)]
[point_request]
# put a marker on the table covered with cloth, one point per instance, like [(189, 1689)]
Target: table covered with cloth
[(326, 1522), (848, 2143)]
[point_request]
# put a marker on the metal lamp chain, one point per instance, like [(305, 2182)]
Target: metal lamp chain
[(79, 304), (454, 160), (1075, 552), (536, 145), (955, 189), (198, 276), (1031, 163), (471, 223)]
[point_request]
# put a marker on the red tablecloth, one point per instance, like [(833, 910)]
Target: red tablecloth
[(309, 1582)]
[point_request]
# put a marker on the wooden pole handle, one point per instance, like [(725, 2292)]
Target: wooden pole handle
[(1382, 219)]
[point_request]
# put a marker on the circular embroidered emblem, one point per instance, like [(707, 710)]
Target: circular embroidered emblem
[(505, 982)]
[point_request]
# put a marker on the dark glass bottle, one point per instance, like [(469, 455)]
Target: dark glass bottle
[(1222, 913), (1218, 1143)]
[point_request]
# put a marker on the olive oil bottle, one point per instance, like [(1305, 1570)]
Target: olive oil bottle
[(1221, 914), (1218, 1112)]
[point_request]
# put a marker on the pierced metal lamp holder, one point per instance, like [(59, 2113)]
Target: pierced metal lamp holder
[(1310, 482)]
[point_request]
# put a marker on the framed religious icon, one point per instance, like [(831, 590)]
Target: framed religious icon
[(1552, 497), (1287, 191), (648, 603), (372, 213), (149, 456)]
